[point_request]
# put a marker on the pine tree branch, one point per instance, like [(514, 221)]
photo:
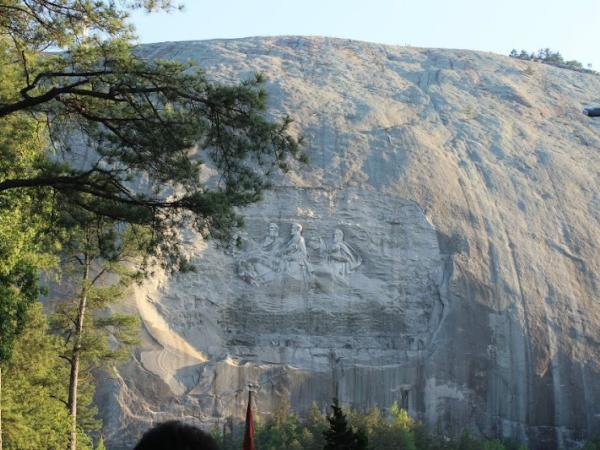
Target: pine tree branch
[(30, 102), (59, 399)]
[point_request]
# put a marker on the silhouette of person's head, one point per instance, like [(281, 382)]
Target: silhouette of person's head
[(174, 435)]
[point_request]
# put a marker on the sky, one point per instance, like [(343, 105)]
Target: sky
[(571, 27)]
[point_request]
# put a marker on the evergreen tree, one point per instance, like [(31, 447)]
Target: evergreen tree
[(494, 444), (133, 119), (22, 219), (35, 390), (282, 431), (340, 436), (593, 444), (285, 431), (100, 445), (468, 442), (130, 120), (396, 431), (403, 428), (547, 56), (574, 64), (99, 259), (316, 425)]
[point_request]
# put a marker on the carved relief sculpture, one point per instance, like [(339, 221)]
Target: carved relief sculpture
[(294, 257), (342, 258), (259, 264)]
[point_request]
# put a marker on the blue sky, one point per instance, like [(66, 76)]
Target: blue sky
[(571, 27)]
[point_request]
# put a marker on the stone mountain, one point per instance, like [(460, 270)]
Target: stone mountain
[(441, 250)]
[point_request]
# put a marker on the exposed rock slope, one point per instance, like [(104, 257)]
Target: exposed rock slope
[(463, 278)]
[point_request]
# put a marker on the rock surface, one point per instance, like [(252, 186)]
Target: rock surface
[(441, 251)]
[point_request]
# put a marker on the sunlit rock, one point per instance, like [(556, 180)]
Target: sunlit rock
[(440, 250)]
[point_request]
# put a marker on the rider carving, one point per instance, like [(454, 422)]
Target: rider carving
[(342, 258), (294, 257)]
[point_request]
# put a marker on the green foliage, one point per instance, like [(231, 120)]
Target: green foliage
[(34, 414), (468, 442), (135, 119), (18, 289), (593, 444), (314, 429), (281, 431), (22, 222), (101, 153), (494, 444), (43, 24), (547, 56), (397, 430), (100, 259), (100, 445), (340, 435)]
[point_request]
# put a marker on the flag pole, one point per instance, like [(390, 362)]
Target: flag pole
[(249, 429)]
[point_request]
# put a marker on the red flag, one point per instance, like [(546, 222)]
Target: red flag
[(249, 432)]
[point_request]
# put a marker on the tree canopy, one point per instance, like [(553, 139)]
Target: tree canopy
[(88, 123), (340, 435), (34, 390), (22, 249), (101, 159), (548, 56), (145, 127), (98, 264)]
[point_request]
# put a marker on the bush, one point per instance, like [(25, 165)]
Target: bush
[(350, 429), (594, 444), (547, 56)]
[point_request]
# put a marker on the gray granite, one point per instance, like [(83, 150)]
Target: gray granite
[(463, 281)]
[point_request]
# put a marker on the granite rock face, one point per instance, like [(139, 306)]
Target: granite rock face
[(441, 250)]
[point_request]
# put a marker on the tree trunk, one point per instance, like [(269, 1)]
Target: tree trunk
[(75, 355), (0, 407)]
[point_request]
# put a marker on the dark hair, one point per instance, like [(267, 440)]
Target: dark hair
[(175, 435)]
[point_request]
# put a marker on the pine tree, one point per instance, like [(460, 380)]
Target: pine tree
[(340, 436), (99, 259), (22, 219), (100, 445), (593, 444), (35, 390), (316, 425), (134, 119), (281, 431)]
